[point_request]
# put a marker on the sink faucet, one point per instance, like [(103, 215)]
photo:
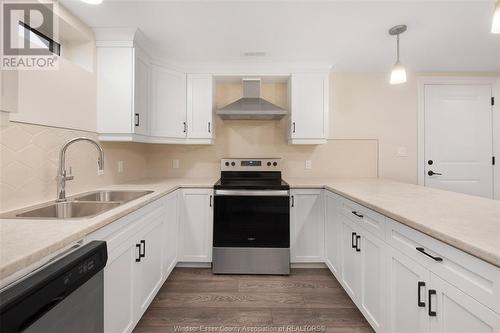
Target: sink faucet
[(62, 176)]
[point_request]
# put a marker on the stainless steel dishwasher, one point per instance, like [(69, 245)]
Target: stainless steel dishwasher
[(66, 295)]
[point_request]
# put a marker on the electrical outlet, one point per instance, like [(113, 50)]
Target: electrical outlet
[(120, 166), (308, 164), (175, 164)]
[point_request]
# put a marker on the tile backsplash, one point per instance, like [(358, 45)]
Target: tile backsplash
[(29, 159)]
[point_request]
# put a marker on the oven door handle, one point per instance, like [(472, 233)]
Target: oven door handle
[(246, 193)]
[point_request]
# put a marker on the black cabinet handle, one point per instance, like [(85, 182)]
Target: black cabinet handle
[(293, 201), (353, 238), (431, 313), (357, 214), (422, 250), (185, 127), (137, 119), (139, 258), (210, 202), (358, 238), (432, 173), (419, 297), (143, 254), (209, 129), (293, 125)]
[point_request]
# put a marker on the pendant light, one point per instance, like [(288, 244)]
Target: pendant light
[(92, 2), (398, 74), (495, 26)]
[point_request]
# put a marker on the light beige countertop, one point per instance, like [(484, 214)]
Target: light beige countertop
[(469, 223), (25, 242)]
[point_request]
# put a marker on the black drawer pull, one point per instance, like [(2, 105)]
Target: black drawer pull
[(358, 238), (143, 254), (139, 258), (422, 250), (293, 201), (419, 297), (210, 204), (353, 237), (357, 214), (431, 313), (209, 128), (137, 120)]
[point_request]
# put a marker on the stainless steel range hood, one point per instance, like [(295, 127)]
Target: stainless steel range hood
[(251, 106)]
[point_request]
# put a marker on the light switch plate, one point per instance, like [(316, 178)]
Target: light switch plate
[(175, 164), (120, 166), (402, 152), (308, 164)]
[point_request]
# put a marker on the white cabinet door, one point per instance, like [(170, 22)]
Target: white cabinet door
[(148, 271), (350, 278), (406, 301), (115, 87), (168, 98), (9, 90), (309, 107), (141, 94), (307, 226), (200, 106), (373, 271), (170, 233), (456, 312), (196, 226), (333, 231), (119, 309)]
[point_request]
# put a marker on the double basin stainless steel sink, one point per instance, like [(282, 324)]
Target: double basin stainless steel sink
[(78, 206)]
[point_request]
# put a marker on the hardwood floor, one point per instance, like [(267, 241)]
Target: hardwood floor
[(195, 300)]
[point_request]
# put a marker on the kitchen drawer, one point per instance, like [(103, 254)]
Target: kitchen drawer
[(472, 275), (365, 217)]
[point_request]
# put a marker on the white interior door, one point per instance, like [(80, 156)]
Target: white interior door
[(459, 139)]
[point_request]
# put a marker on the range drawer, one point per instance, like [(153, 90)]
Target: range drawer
[(472, 275), (367, 218)]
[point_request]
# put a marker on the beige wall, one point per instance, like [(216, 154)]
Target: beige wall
[(29, 157), (244, 138)]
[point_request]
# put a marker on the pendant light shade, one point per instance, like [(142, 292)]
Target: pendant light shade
[(398, 74), (92, 2), (495, 26)]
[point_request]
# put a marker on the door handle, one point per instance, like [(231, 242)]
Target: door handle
[(354, 238), (209, 129), (137, 119), (422, 250), (432, 173), (185, 127), (431, 313), (358, 238), (139, 258), (210, 202), (143, 254), (357, 214), (419, 301), (293, 125), (293, 201)]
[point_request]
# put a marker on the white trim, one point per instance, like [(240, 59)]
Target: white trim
[(494, 81)]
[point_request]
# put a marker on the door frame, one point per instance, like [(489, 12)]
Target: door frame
[(422, 81)]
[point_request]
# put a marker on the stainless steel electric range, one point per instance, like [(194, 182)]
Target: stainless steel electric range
[(251, 218)]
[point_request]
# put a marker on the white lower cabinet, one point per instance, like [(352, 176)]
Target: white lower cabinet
[(170, 233), (333, 228), (307, 226), (196, 225), (406, 300), (457, 312), (349, 258)]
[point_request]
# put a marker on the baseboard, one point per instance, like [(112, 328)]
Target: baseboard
[(308, 265), (194, 264)]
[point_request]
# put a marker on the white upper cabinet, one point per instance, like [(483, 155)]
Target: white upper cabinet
[(309, 96), (200, 106), (168, 114), (122, 93)]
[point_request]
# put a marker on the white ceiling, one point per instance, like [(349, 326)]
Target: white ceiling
[(352, 35)]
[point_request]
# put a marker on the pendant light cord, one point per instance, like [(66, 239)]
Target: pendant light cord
[(397, 49)]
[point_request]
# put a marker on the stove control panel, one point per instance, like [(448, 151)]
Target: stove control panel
[(250, 164)]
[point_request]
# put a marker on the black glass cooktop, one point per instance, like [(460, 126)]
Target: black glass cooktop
[(250, 180)]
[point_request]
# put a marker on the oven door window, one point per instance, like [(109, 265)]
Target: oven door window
[(252, 221)]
